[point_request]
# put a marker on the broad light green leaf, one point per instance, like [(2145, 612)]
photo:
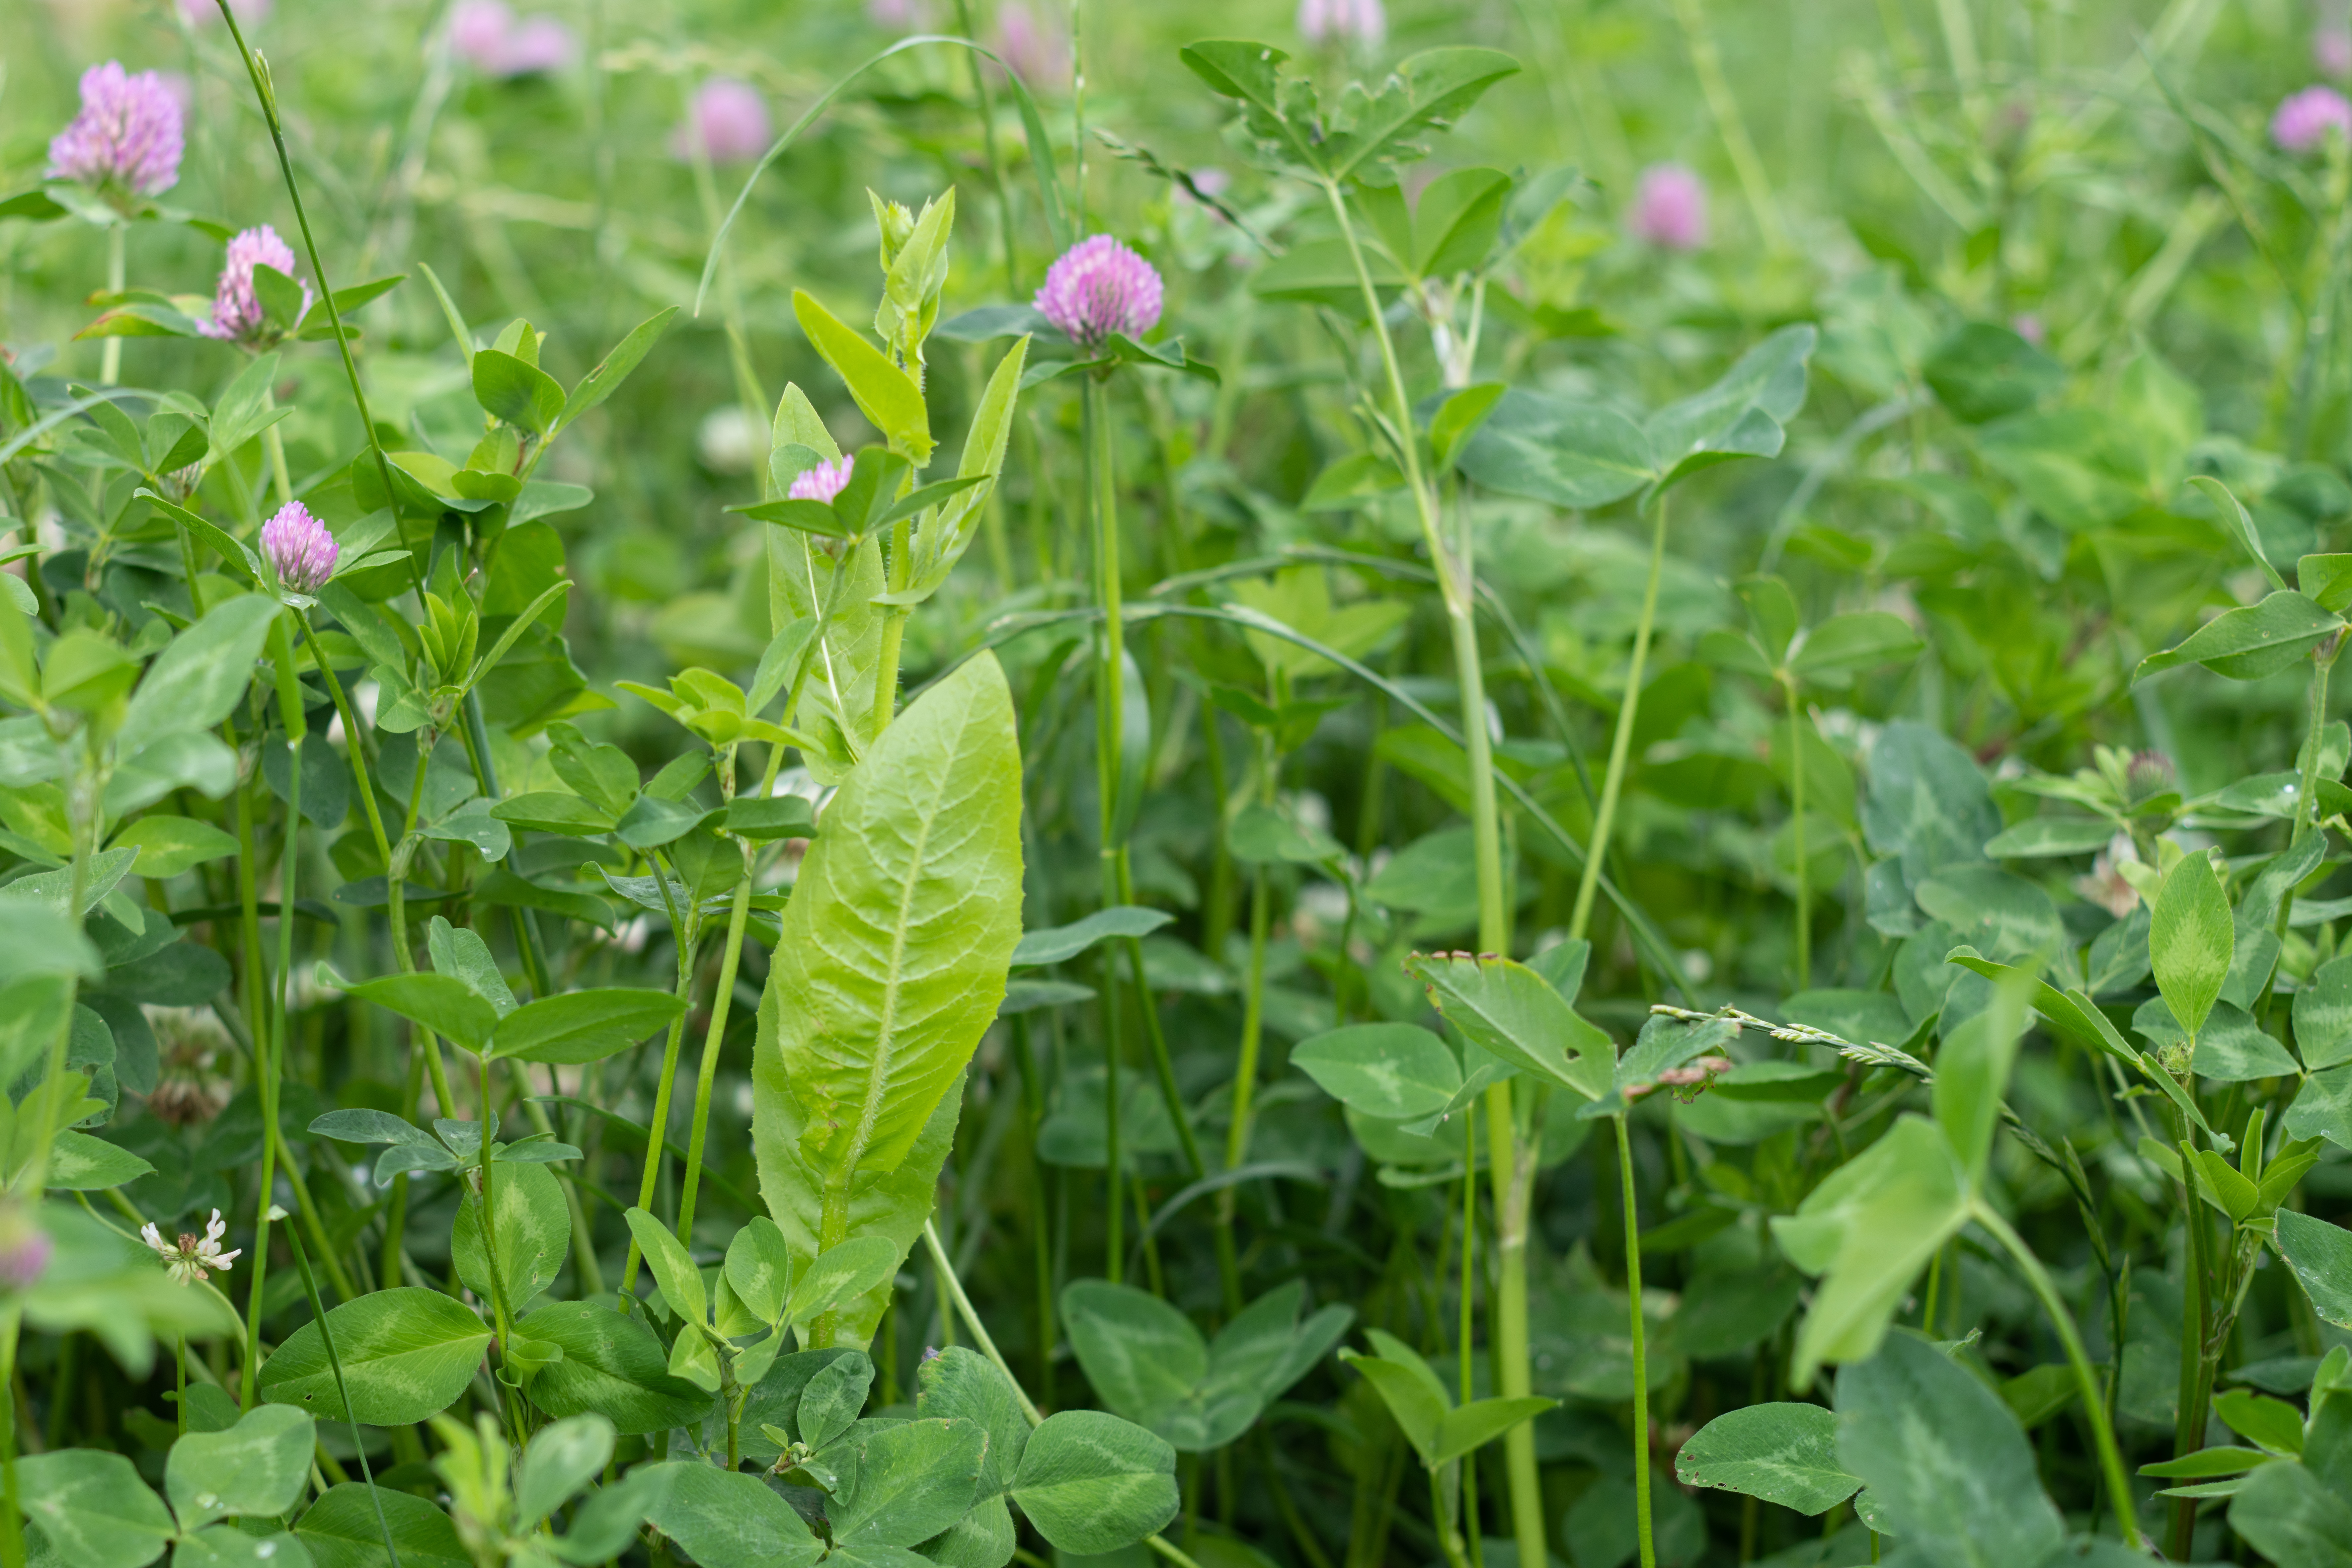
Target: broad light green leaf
[(584, 1025), (611, 1365), (760, 1268), (1741, 415), (1480, 1422), (563, 1457), (1058, 945), (1092, 1483), (614, 368), (257, 1466), (906, 1483), (899, 932), (341, 1530), (2251, 641), (1868, 1229), (886, 395), (441, 1003), (1972, 1073), (1927, 801), (195, 681), (673, 1266), (2042, 835), (2320, 1253), (830, 1401), (1394, 1070), (842, 1272), (94, 1509), (534, 1235), (1514, 1013), (959, 1384), (521, 395), (1142, 1356), (407, 1354), (725, 1519), (2294, 1518), (1784, 1452), (1416, 1400), (2190, 939), (168, 846), (1843, 646), (2322, 1015), (1944, 1459), (1565, 452)]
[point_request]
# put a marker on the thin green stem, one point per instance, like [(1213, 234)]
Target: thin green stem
[(684, 936), (1706, 62), (1640, 1353), (2094, 1406), (270, 1046), (1621, 743), (110, 357), (1797, 833), (737, 915), (343, 1392)]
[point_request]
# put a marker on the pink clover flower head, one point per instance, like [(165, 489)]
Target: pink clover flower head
[(1098, 287), (898, 16), (24, 1249), (822, 482), (541, 45), (125, 142), (2331, 49), (299, 548), (1360, 23), (2304, 119), (1670, 207), (2029, 325), (237, 310), (731, 119), (477, 31), (1034, 48), (488, 35)]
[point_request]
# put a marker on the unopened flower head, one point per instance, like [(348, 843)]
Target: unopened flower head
[(125, 143), (822, 482), (299, 548), (237, 310), (1358, 23), (731, 119), (2306, 119), (1099, 286), (191, 1258), (1670, 207)]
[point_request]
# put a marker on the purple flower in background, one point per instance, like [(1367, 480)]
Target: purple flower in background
[(299, 549), (204, 12), (488, 37), (1360, 23), (2304, 121), (1099, 286), (730, 118), (1670, 207), (2331, 49), (1034, 48), (822, 482), (898, 16), (237, 310), (477, 31), (25, 1247), (125, 142), (2027, 324)]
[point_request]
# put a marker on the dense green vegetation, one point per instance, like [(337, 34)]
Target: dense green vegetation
[(1487, 780)]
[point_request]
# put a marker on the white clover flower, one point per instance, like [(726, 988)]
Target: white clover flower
[(189, 1257)]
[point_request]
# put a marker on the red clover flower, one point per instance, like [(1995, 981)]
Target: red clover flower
[(1670, 207), (731, 118), (125, 143), (1099, 286), (1355, 22), (821, 483), (299, 549), (237, 311), (2305, 118)]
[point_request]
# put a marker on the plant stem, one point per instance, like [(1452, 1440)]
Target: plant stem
[(1706, 62), (270, 1046), (1797, 831), (712, 1038), (1640, 1356), (1110, 682), (683, 935), (2094, 1408), (110, 357), (1621, 742), (1455, 583), (334, 1364)]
